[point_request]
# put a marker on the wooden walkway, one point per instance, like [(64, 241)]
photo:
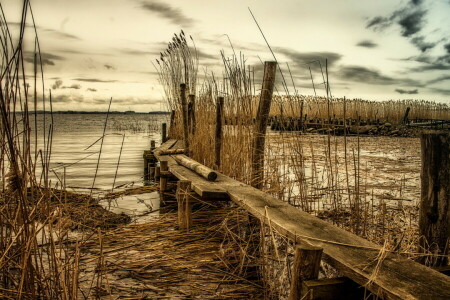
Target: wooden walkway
[(388, 275)]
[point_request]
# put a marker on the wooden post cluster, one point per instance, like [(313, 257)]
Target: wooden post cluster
[(434, 220), (261, 123), (305, 267), (218, 133), (184, 199)]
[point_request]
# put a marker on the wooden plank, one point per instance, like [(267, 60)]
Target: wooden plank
[(356, 258), (340, 288)]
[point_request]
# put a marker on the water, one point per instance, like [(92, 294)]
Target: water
[(76, 146)]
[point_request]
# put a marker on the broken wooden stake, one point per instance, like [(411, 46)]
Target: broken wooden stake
[(183, 195)]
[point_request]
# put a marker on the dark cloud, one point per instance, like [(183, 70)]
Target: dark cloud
[(367, 44), (91, 90), (129, 51), (73, 86), (421, 44), (43, 58), (447, 48), (164, 10), (412, 23), (416, 2), (305, 58), (94, 80), (409, 92), (64, 98), (370, 76), (57, 84), (430, 63), (439, 79), (378, 23), (109, 67)]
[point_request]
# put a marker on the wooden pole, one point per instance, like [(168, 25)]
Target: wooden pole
[(164, 168), (305, 267), (195, 166), (183, 196), (163, 133), (172, 124), (434, 219), (185, 116), (218, 133), (152, 145), (157, 174), (261, 123), (191, 114)]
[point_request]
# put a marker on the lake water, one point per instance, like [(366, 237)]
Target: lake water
[(77, 142)]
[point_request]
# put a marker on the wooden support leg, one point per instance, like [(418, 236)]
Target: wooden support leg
[(157, 174), (305, 267), (184, 200), (164, 168)]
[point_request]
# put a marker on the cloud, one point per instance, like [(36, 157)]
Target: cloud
[(305, 58), (57, 84), (367, 44), (94, 80), (371, 76), (445, 92), (421, 44), (57, 33), (409, 92), (447, 48), (43, 58), (109, 67), (68, 98), (164, 10), (91, 90), (73, 86), (430, 63), (439, 79), (412, 22)]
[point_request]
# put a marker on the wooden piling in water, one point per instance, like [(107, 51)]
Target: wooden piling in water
[(172, 123), (183, 196), (434, 220), (305, 267), (157, 174), (218, 132), (261, 124)]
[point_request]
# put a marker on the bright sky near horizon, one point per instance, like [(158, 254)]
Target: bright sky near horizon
[(377, 50)]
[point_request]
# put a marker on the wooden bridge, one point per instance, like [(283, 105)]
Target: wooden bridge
[(386, 274)]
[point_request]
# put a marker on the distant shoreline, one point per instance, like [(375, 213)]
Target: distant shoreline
[(73, 112)]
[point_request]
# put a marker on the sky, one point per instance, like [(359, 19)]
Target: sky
[(93, 50)]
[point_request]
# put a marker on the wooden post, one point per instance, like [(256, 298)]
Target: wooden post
[(218, 133), (152, 172), (172, 124), (191, 114), (157, 174), (305, 267), (163, 133), (152, 145), (184, 111), (164, 168), (183, 196), (434, 220), (405, 117), (147, 161), (261, 123)]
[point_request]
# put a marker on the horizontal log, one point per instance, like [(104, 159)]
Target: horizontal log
[(198, 168), (170, 152)]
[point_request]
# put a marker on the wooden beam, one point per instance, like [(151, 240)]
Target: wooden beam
[(198, 168), (261, 124)]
